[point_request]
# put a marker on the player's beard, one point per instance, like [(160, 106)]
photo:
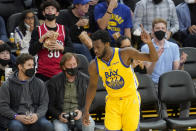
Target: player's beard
[(103, 54)]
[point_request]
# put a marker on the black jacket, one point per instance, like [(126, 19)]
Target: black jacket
[(56, 90), (10, 95)]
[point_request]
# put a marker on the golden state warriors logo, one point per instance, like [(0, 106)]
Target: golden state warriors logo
[(113, 80)]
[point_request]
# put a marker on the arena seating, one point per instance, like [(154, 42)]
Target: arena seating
[(177, 87), (149, 101)]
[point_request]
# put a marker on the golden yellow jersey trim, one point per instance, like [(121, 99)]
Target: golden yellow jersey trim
[(118, 78)]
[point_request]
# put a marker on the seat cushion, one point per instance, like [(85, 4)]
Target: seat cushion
[(181, 122), (152, 123)]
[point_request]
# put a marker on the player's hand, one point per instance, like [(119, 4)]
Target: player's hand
[(85, 119), (145, 37), (79, 115)]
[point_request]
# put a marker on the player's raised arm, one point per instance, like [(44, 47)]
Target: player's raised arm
[(135, 54)]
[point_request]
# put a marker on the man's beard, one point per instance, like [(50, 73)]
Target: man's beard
[(103, 54)]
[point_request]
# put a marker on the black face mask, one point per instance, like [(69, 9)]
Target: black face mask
[(157, 1), (4, 62), (50, 17), (30, 72), (72, 71), (159, 34)]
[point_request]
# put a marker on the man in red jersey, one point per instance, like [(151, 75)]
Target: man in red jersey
[(49, 57)]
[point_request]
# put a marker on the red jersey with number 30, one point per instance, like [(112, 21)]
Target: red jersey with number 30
[(48, 61)]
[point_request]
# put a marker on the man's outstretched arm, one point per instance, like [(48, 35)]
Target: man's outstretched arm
[(91, 91)]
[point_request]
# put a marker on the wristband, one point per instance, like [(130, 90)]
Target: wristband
[(108, 12), (15, 116)]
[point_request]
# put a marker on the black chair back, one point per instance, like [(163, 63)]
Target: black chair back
[(190, 64), (83, 63), (146, 89), (176, 87)]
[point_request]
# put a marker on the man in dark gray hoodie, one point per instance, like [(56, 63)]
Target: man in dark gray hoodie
[(24, 99)]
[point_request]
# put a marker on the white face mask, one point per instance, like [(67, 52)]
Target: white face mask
[(190, 1), (28, 26)]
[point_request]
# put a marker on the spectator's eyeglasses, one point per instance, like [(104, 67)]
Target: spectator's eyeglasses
[(29, 18)]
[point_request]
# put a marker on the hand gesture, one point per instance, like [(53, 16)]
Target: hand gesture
[(1, 42), (168, 35), (82, 22), (79, 115), (93, 2), (113, 4), (62, 119), (145, 37), (192, 29), (183, 57), (160, 51), (23, 119), (55, 46), (33, 118), (85, 119), (48, 35), (31, 27)]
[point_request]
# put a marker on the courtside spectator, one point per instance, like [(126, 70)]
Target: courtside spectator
[(169, 59), (24, 99), (187, 20), (77, 20), (114, 17), (67, 93), (147, 10), (49, 41), (24, 30)]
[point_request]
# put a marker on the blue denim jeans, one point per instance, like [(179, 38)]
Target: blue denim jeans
[(82, 49), (60, 126), (41, 125)]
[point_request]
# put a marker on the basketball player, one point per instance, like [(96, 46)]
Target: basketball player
[(113, 66)]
